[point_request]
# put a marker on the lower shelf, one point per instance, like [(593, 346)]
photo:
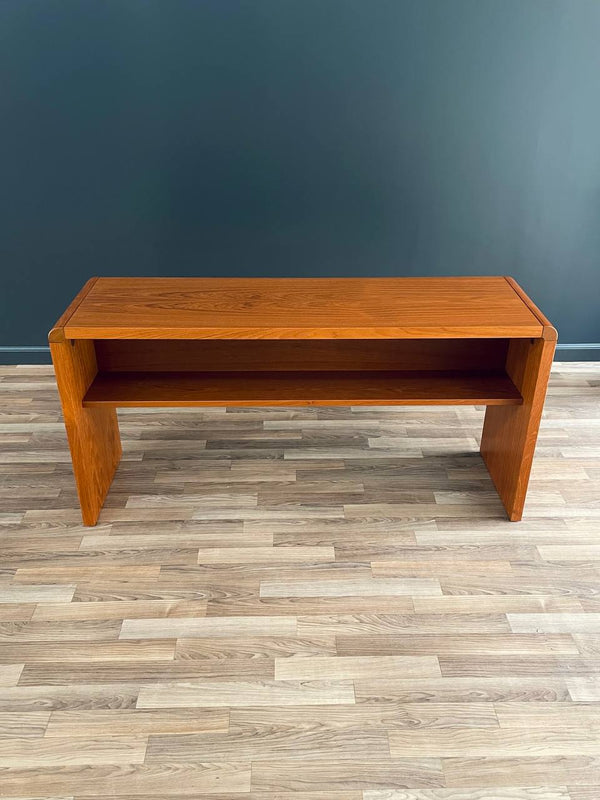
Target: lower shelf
[(301, 388)]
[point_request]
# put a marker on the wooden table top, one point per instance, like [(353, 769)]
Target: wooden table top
[(301, 308)]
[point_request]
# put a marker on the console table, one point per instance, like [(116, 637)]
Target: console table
[(302, 341)]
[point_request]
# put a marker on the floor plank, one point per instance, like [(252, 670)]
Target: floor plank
[(499, 742), (136, 722), (342, 667), (331, 775), (211, 694), (116, 780), (505, 793)]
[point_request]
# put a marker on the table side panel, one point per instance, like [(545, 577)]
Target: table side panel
[(92, 433), (510, 434)]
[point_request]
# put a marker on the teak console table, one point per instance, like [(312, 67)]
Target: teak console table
[(302, 341)]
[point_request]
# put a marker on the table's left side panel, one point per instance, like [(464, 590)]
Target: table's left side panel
[(93, 433)]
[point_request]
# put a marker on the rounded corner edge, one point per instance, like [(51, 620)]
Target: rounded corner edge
[(56, 334)]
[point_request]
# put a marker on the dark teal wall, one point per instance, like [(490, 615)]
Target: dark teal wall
[(299, 137)]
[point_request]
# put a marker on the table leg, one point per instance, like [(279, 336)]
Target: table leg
[(510, 432), (93, 433)]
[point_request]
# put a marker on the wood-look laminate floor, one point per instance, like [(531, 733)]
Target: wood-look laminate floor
[(300, 604)]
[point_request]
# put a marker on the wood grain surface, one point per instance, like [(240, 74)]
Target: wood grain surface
[(302, 308), (299, 604)]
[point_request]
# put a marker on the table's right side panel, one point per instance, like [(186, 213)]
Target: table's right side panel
[(510, 432)]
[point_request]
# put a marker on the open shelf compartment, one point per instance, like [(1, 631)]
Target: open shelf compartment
[(295, 373), (296, 388)]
